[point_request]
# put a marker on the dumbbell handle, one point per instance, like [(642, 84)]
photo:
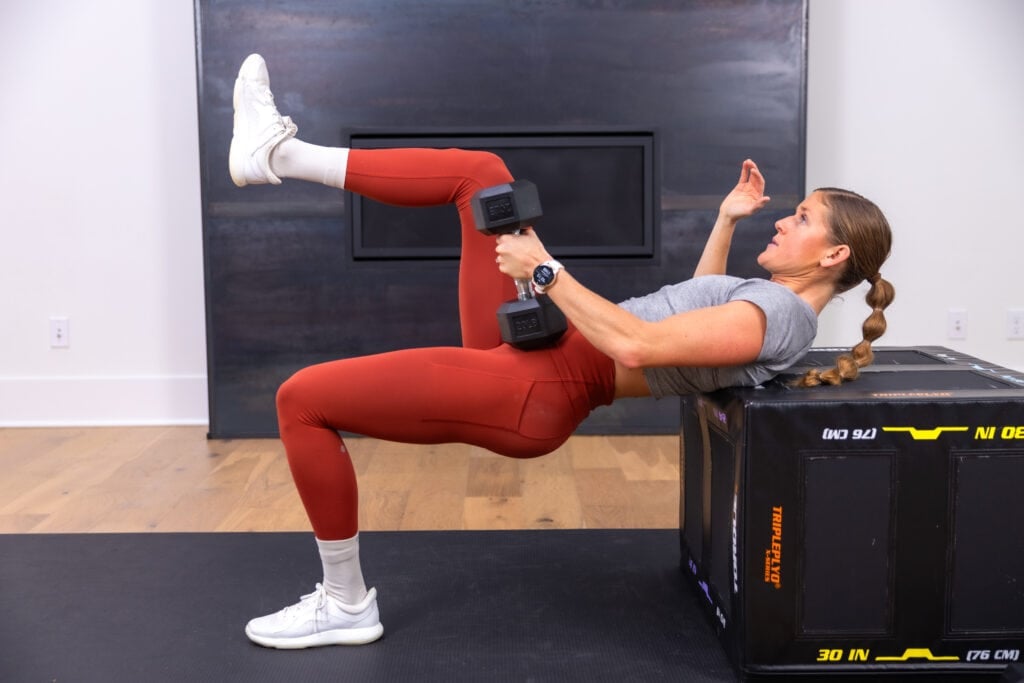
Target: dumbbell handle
[(524, 290)]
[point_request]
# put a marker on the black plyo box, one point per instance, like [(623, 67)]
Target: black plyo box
[(876, 527)]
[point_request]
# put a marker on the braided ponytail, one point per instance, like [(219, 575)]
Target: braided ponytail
[(848, 365), (859, 224)]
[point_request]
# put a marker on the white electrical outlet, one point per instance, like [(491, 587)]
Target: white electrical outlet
[(956, 324), (60, 333), (1015, 323)]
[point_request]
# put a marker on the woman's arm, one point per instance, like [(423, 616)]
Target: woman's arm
[(746, 199), (730, 334)]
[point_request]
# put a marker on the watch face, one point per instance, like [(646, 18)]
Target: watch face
[(543, 275)]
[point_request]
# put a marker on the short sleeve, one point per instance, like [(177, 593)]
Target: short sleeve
[(791, 322)]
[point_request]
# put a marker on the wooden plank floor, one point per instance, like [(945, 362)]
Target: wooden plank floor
[(173, 479)]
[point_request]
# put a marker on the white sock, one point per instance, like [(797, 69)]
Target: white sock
[(297, 159), (343, 578)]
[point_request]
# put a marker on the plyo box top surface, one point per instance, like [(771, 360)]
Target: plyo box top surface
[(897, 374)]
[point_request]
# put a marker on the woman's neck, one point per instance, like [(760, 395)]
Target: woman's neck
[(815, 292)]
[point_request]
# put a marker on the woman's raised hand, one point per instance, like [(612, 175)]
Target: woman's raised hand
[(748, 197)]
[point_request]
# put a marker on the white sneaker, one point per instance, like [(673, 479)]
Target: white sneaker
[(318, 619), (258, 127)]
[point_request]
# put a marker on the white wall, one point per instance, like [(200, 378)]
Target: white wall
[(919, 104), (99, 203), (916, 103)]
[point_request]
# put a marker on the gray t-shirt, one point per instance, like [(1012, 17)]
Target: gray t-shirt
[(791, 327)]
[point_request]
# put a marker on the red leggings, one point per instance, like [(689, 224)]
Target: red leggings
[(516, 403)]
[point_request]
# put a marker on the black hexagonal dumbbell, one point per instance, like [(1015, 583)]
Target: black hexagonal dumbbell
[(529, 322)]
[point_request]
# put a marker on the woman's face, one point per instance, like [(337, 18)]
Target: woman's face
[(801, 242)]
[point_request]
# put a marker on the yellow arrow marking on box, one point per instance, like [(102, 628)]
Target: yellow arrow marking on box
[(925, 434)]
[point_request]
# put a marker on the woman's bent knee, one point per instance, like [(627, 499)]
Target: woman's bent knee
[(486, 168), (293, 397)]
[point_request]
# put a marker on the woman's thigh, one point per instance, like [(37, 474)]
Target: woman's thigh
[(508, 401)]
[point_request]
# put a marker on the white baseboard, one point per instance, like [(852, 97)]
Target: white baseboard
[(103, 401)]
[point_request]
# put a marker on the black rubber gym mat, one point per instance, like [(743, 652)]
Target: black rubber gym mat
[(593, 605)]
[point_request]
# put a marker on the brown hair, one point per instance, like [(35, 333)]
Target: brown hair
[(856, 222)]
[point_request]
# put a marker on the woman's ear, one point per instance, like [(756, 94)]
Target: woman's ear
[(835, 255)]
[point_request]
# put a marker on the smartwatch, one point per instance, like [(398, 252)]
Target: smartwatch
[(544, 275)]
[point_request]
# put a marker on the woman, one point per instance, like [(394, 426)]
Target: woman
[(709, 332)]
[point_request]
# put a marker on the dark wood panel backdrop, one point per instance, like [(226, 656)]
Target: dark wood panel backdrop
[(716, 80)]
